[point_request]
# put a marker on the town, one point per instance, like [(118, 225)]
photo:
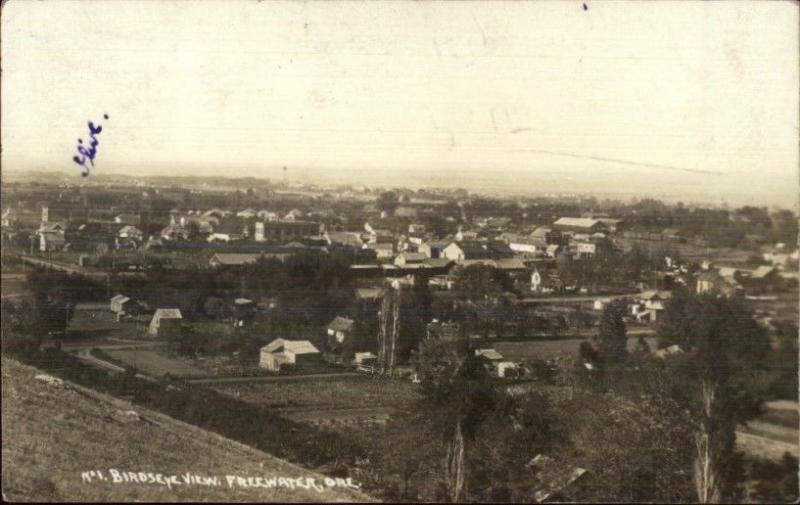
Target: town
[(319, 324)]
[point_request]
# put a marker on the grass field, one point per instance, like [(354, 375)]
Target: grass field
[(154, 364), (13, 284), (549, 349), (99, 324), (52, 434)]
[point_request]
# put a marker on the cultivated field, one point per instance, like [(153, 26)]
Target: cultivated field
[(331, 401), (51, 434)]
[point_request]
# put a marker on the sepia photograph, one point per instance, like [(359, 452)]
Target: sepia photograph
[(402, 251)]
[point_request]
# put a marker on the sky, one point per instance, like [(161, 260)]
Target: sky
[(692, 101)]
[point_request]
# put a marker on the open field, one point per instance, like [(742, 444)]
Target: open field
[(100, 324), (330, 401), (786, 307), (51, 434), (773, 433), (689, 251), (549, 349), (154, 364), (13, 284)]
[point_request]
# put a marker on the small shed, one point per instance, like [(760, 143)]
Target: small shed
[(166, 323), (365, 358), (339, 329), (117, 304)]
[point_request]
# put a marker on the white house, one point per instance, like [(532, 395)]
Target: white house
[(117, 304), (166, 323), (498, 364), (281, 352), (340, 328), (130, 232), (246, 213)]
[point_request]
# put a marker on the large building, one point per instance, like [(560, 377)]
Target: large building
[(282, 352), (284, 230)]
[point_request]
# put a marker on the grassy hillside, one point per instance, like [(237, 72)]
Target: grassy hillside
[(51, 434)]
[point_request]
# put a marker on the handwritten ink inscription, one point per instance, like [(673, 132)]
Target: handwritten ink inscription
[(229, 481), (87, 153)]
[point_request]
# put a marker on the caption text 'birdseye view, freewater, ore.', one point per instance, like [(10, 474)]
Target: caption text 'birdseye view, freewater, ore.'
[(231, 481), (88, 154)]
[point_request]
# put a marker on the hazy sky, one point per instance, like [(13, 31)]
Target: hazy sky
[(697, 101)]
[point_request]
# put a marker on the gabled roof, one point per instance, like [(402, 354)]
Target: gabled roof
[(119, 298), (368, 293), (167, 314), (341, 324), (294, 346), (489, 354), (345, 238), (653, 295), (762, 271), (541, 232), (473, 249), (577, 222), (413, 257), (235, 259), (383, 246), (510, 264), (551, 477), (128, 228), (52, 228)]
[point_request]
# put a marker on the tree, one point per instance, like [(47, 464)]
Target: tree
[(387, 202), (612, 341), (724, 350), (458, 395)]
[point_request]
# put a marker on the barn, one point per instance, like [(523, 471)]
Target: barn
[(289, 352), (166, 323)]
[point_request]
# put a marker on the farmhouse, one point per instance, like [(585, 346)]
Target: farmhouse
[(281, 352), (432, 249), (495, 362), (51, 237), (117, 304), (408, 258), (166, 323), (339, 330)]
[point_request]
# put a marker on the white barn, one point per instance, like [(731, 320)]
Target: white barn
[(288, 352)]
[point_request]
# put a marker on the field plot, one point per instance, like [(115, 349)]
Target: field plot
[(101, 324), (219, 365), (328, 402), (549, 349), (154, 364), (12, 285), (784, 307), (772, 434)]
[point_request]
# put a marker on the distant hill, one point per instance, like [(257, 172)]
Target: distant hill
[(52, 433)]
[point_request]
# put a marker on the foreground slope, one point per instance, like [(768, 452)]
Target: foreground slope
[(52, 434)]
